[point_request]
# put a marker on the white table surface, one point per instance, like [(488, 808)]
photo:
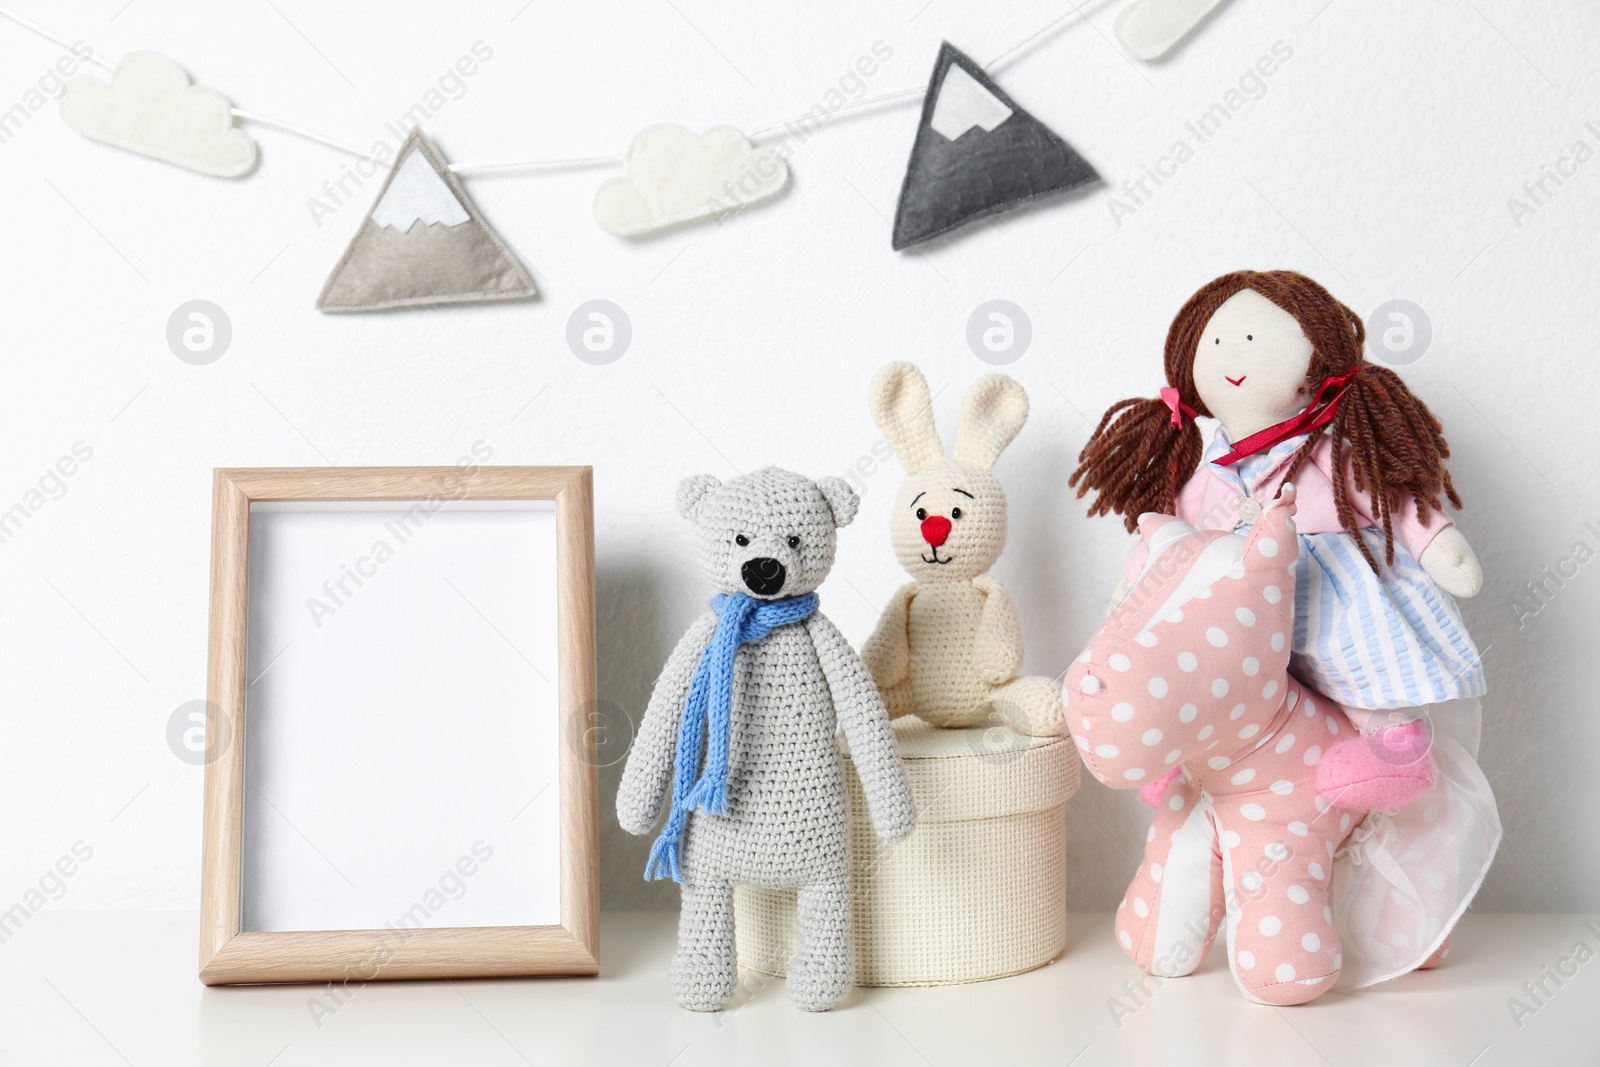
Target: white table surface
[(120, 988)]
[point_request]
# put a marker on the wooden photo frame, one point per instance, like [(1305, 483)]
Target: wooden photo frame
[(400, 779)]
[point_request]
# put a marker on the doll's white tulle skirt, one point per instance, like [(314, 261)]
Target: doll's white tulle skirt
[(1404, 878)]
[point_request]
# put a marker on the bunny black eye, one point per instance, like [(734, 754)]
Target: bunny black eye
[(794, 542), (1218, 341), (741, 540), (922, 513), (955, 513), (1249, 337)]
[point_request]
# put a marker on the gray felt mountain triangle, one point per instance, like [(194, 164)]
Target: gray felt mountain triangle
[(976, 154), (423, 243)]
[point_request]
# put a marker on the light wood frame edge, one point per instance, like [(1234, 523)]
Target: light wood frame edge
[(228, 955)]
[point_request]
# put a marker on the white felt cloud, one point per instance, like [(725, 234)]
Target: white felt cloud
[(1149, 28), (150, 108), (676, 175)]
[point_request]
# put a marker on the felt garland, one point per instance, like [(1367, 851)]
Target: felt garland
[(676, 176), (976, 153), (423, 242), (1148, 29), (149, 107)]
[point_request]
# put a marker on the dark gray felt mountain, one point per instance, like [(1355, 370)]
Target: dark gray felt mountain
[(977, 154)]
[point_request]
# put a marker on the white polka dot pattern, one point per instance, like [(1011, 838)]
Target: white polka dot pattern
[(1250, 786)]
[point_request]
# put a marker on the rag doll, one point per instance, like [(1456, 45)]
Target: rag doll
[(1267, 383), (1190, 674), (742, 725), (948, 647)]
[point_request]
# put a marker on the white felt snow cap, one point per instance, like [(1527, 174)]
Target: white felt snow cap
[(676, 175), (149, 107), (1149, 28)]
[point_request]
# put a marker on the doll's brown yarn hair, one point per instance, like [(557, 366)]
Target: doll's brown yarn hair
[(1138, 458)]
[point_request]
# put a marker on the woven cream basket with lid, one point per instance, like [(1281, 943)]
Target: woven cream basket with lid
[(977, 892)]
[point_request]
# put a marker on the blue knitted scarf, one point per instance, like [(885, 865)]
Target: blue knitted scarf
[(741, 619)]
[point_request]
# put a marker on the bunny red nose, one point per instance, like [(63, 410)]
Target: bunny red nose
[(935, 528)]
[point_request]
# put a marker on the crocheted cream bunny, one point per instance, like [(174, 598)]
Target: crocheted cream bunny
[(948, 646)]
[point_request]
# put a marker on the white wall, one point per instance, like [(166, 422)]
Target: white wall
[(1380, 159)]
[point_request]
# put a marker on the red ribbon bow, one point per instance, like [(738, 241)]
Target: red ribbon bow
[(1321, 411)]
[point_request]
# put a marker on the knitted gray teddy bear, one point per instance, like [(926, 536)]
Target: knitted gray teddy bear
[(743, 723)]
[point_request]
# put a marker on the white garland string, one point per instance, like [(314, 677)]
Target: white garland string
[(71, 46), (762, 132), (759, 133), (301, 131), (529, 164)]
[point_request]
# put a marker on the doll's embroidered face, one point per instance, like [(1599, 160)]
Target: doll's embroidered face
[(1251, 364)]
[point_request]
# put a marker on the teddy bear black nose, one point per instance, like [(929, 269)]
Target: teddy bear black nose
[(764, 575)]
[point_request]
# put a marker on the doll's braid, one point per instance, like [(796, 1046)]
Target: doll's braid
[(1137, 460), (1142, 452), (1394, 445)]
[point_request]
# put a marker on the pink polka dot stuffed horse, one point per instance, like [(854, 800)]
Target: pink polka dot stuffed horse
[(1185, 691)]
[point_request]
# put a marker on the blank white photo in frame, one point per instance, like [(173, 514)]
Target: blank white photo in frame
[(402, 749)]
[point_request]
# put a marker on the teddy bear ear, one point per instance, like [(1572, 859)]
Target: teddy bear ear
[(841, 499), (995, 410), (691, 491)]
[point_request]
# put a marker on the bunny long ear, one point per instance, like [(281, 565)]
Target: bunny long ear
[(903, 410), (995, 410)]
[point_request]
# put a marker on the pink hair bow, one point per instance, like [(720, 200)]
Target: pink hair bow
[(1169, 396)]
